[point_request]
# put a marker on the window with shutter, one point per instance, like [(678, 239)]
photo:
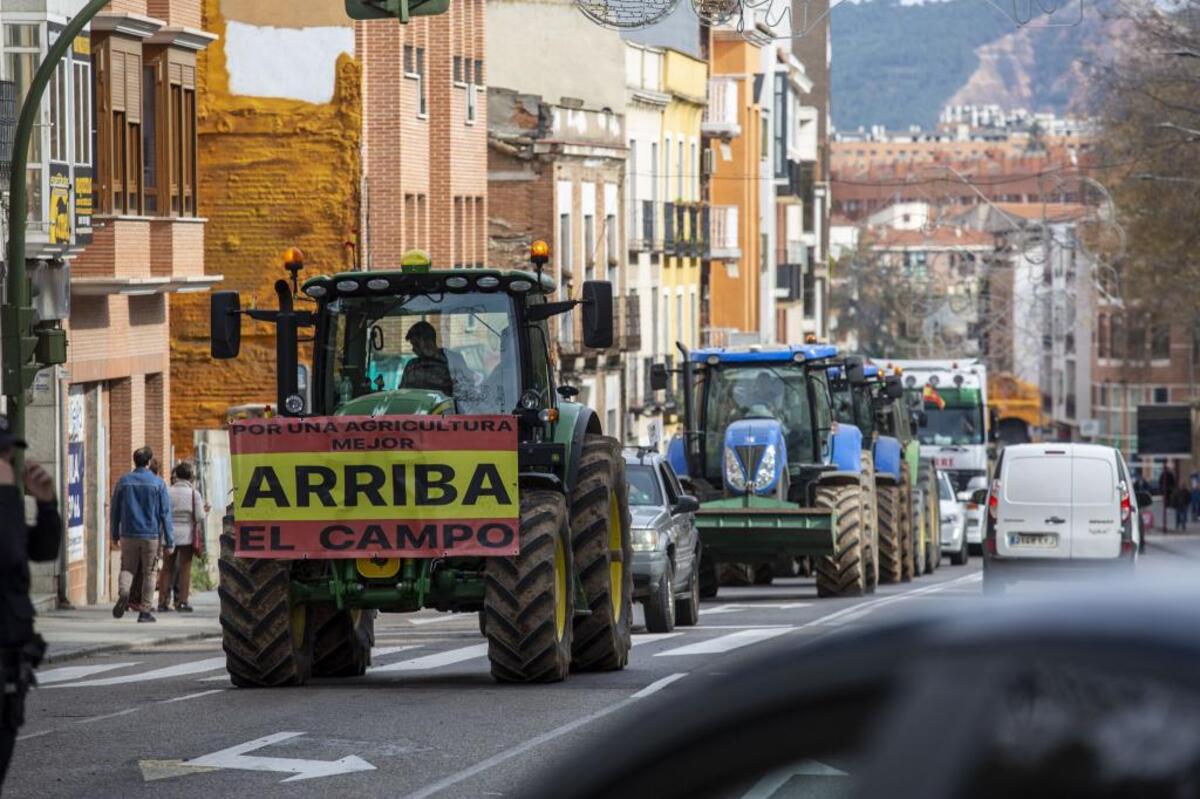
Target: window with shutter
[(120, 162)]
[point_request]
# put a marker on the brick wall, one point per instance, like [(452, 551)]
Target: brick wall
[(273, 173), (177, 248), (127, 7)]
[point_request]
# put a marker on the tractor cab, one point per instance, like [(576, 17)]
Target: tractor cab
[(760, 419)]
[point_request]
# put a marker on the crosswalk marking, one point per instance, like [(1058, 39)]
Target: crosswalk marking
[(434, 661), (384, 651), (178, 670), (65, 673), (650, 638), (726, 643)]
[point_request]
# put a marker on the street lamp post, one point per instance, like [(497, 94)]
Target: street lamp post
[(22, 348)]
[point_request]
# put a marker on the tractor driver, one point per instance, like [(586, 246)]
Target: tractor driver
[(434, 368), (765, 393)]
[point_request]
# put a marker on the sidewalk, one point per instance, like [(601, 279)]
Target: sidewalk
[(84, 631)]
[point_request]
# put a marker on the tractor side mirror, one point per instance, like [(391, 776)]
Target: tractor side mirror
[(979, 497), (686, 504), (854, 371), (658, 377), (225, 324), (597, 314), (892, 387)]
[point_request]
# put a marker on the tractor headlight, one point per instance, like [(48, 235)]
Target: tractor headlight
[(645, 540), (766, 468), (733, 471)]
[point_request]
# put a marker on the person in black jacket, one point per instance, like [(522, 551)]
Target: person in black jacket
[(20, 648)]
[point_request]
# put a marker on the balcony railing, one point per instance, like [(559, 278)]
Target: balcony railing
[(723, 232), (721, 114)]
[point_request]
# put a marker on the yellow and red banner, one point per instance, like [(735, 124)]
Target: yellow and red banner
[(383, 486), (931, 397)]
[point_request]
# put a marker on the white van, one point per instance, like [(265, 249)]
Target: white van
[(1058, 509)]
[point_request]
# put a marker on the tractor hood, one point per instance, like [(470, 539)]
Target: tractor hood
[(400, 401), (755, 456)]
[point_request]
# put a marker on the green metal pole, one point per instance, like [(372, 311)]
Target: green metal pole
[(16, 316)]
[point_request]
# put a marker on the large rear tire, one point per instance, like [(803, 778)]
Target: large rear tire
[(842, 574), (687, 609), (907, 526), (870, 522), (710, 574), (927, 478), (603, 555), (342, 640), (891, 548), (528, 599), (266, 637)]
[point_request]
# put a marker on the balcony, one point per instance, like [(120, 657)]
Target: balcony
[(669, 227), (723, 233), (789, 281), (721, 114)]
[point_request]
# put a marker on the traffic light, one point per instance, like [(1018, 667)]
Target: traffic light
[(399, 9)]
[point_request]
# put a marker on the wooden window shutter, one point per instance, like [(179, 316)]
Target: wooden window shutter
[(117, 79), (133, 87)]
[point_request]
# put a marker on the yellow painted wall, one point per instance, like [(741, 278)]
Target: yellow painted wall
[(686, 80), (272, 173)]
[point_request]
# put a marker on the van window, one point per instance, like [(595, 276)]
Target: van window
[(1043, 479), (1094, 482)]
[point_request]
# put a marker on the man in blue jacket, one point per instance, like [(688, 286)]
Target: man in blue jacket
[(141, 512)]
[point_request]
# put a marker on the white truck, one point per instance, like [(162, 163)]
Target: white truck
[(954, 426)]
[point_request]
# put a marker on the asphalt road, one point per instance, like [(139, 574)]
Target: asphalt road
[(428, 720)]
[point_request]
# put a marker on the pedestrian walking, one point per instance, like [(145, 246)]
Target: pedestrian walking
[(1194, 482), (1182, 502), (1166, 487), (21, 649), (141, 512), (187, 509)]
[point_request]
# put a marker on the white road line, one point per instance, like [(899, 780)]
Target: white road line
[(658, 685), (76, 672), (383, 651), (521, 748), (435, 660), (124, 712), (726, 643), (857, 612), (178, 670), (448, 617), (34, 735), (650, 638), (218, 678), (196, 695), (703, 627)]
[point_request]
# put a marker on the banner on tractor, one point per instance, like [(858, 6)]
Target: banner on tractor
[(382, 486)]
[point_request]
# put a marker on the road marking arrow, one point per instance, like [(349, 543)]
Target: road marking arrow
[(235, 757), (756, 606)]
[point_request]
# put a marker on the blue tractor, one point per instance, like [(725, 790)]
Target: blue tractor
[(778, 478)]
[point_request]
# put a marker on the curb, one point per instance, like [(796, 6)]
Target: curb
[(76, 654)]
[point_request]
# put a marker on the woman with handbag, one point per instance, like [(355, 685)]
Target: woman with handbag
[(187, 512)]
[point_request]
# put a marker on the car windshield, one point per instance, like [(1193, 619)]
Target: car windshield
[(643, 485), (952, 416), (458, 345), (758, 391)]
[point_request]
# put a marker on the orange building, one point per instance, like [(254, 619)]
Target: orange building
[(733, 125)]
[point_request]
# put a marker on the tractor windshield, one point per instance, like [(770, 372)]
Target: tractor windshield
[(757, 391), (457, 345), (853, 405), (952, 416)]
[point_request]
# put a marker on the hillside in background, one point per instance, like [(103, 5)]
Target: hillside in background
[(897, 65)]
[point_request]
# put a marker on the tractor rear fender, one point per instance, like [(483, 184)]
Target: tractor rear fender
[(888, 454), (840, 478), (846, 446), (574, 422)]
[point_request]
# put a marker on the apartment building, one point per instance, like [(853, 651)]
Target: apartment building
[(556, 171), (666, 215), (115, 239)]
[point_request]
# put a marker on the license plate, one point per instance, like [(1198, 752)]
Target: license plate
[(944, 463), (1038, 540)]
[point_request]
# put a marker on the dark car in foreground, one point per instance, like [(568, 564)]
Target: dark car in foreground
[(666, 547)]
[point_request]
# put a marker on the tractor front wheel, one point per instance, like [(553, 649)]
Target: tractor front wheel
[(603, 553), (843, 572), (527, 599), (266, 637), (891, 549)]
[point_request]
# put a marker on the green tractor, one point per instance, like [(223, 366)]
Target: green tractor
[(420, 346)]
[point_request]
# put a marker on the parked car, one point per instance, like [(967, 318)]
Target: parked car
[(1057, 510), (666, 546), (953, 518), (973, 514)]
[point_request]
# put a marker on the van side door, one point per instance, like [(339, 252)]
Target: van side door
[(1096, 505)]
